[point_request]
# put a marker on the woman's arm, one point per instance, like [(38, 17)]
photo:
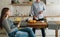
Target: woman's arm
[(6, 25)]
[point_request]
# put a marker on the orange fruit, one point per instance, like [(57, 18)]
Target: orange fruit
[(34, 21)]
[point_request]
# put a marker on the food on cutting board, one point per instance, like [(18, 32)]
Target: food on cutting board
[(32, 21)]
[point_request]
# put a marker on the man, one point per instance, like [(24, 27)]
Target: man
[(37, 10)]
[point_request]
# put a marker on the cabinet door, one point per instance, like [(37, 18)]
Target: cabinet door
[(52, 2)]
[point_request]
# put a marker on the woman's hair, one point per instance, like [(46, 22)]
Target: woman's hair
[(3, 15)]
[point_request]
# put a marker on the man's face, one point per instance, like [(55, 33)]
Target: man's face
[(37, 0)]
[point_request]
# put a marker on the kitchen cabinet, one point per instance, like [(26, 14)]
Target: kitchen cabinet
[(53, 2), (20, 9), (19, 18), (21, 2)]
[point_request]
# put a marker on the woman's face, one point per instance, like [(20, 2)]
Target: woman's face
[(8, 12), (37, 0)]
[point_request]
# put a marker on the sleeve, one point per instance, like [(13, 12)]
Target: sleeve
[(6, 25), (32, 10), (44, 7), (12, 24)]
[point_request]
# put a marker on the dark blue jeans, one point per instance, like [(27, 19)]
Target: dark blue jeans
[(42, 29), (12, 34)]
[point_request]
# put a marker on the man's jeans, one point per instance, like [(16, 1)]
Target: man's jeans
[(42, 29)]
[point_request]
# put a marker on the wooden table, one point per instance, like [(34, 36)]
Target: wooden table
[(38, 24), (43, 25)]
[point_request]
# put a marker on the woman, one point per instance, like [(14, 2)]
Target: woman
[(11, 29)]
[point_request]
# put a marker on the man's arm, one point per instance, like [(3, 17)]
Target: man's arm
[(44, 7), (32, 10)]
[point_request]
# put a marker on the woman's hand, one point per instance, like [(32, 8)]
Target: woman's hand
[(18, 25)]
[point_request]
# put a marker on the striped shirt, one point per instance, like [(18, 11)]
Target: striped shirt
[(36, 8)]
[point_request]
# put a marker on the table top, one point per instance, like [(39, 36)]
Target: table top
[(38, 23)]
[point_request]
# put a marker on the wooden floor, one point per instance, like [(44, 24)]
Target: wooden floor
[(38, 33), (3, 35)]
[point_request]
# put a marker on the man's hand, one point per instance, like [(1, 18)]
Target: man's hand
[(40, 12), (35, 17)]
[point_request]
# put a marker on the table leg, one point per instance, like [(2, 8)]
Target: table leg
[(56, 33)]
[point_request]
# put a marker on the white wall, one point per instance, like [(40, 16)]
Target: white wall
[(53, 8), (4, 3)]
